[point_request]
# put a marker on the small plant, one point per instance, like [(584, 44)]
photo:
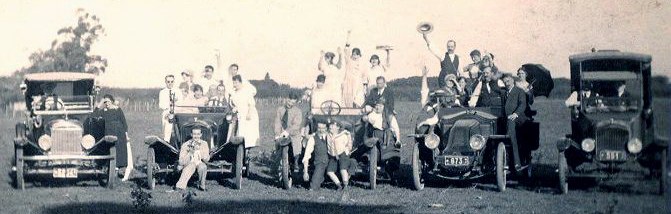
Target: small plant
[(141, 199)]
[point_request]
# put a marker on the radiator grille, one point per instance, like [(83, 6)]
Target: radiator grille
[(612, 137), (66, 140)]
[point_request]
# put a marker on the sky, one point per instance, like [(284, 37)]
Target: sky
[(145, 40)]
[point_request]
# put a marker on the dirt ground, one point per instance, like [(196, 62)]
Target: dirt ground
[(261, 192)]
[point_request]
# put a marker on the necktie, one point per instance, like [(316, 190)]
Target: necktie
[(285, 119), (489, 90)]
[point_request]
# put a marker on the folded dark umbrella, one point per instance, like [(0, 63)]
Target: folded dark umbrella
[(539, 78)]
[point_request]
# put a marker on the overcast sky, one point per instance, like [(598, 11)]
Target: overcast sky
[(147, 39)]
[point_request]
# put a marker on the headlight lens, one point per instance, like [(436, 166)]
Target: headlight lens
[(88, 141), (588, 145), (44, 142), (229, 117), (431, 141), (634, 145), (477, 141)]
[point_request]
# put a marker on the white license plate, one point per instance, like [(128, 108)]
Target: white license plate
[(65, 172), (456, 161), (611, 155)]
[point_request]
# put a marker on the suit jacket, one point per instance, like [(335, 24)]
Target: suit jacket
[(293, 123), (516, 102), (486, 98), (388, 95), (448, 67)]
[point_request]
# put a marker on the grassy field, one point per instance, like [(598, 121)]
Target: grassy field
[(261, 193)]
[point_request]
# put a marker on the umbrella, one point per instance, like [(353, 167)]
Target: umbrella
[(539, 78)]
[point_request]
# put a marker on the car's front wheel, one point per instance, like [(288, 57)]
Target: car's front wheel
[(151, 162), (664, 176), (373, 156), (563, 168), (111, 171), (501, 164), (19, 180), (285, 172), (239, 161), (417, 169)]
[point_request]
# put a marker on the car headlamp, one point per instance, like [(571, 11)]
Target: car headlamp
[(634, 145), (88, 141), (229, 117), (44, 142), (476, 142), (431, 141), (588, 144)]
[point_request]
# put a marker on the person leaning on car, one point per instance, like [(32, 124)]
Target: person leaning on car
[(192, 157), (289, 124), (165, 96), (514, 108)]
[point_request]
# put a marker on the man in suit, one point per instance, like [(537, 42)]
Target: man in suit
[(485, 90), (316, 149), (289, 124), (514, 108), (385, 96), (449, 64)]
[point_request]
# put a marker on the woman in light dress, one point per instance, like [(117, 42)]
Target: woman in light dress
[(352, 87), (242, 99), (334, 76), (376, 70)]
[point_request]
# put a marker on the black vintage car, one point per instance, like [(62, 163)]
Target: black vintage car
[(219, 128), (373, 150), (467, 143), (611, 119), (59, 140)]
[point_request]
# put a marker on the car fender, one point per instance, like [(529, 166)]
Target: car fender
[(370, 142), (103, 145), (153, 140)]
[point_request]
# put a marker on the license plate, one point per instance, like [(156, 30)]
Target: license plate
[(610, 155), (65, 172), (456, 161)]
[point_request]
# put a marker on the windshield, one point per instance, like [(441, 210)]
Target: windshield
[(611, 92)]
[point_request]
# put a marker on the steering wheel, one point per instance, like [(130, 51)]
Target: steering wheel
[(330, 107)]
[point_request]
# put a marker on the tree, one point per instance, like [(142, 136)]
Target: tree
[(71, 50), (267, 77)]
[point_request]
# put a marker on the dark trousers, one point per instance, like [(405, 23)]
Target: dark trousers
[(318, 176), (511, 128)]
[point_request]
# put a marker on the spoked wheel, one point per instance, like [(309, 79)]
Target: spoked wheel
[(111, 171), (664, 176), (285, 172), (239, 161), (501, 163), (373, 156), (151, 162), (245, 168), (19, 181), (417, 169), (563, 168)]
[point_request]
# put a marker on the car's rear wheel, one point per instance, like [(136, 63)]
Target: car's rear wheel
[(417, 169), (563, 168), (501, 163), (285, 172), (664, 176), (19, 180), (151, 162), (373, 156), (239, 161)]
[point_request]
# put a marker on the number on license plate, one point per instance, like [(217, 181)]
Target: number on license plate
[(456, 160), (611, 155), (65, 172)]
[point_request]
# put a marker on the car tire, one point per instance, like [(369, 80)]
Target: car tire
[(563, 168), (287, 180), (239, 161), (19, 180), (373, 156), (501, 163), (664, 176), (151, 162), (417, 169)]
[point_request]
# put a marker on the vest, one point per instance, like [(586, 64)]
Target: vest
[(320, 154)]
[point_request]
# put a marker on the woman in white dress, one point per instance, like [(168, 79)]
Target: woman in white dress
[(376, 70), (242, 99), (352, 87), (334, 76), (228, 81)]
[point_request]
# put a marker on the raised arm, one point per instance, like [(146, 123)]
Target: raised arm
[(339, 63), (348, 52), (387, 63), (424, 90), (321, 62), (428, 45)]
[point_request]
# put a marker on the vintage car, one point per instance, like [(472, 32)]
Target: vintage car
[(219, 128), (59, 139), (467, 143), (612, 123), (373, 150)]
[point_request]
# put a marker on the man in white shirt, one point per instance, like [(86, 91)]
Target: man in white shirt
[(208, 82), (165, 97), (320, 94)]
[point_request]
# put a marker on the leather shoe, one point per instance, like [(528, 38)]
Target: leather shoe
[(201, 188)]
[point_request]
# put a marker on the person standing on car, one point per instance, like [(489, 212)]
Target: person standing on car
[(316, 149), (449, 64), (192, 157), (208, 82), (165, 97), (289, 124), (115, 124), (514, 108)]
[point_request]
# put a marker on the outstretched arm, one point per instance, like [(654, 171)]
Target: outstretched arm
[(347, 48), (424, 91), (321, 62), (428, 45), (339, 63)]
